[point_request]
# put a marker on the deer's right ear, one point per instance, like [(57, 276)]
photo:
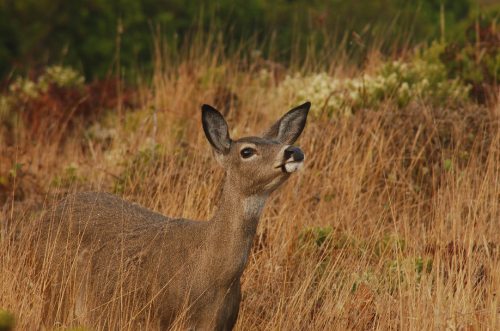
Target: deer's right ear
[(216, 129)]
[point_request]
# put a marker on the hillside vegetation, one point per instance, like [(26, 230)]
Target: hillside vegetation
[(94, 35), (392, 224)]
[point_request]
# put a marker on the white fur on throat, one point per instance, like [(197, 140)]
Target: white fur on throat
[(253, 206)]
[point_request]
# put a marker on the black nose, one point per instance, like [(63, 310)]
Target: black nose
[(294, 152)]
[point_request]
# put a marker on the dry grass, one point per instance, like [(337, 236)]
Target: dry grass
[(389, 225)]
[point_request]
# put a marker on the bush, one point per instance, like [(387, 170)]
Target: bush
[(57, 102), (476, 61), (7, 321), (422, 77)]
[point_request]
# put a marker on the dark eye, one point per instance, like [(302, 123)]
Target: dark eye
[(247, 152)]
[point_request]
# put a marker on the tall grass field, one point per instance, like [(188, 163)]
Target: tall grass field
[(393, 223)]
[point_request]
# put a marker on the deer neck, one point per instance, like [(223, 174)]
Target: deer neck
[(234, 226)]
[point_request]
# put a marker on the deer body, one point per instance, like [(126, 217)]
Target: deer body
[(116, 253)]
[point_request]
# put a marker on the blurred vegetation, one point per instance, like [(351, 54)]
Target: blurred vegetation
[(423, 76), (7, 320), (401, 191), (89, 35)]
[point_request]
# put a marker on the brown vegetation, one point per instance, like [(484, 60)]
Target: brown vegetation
[(392, 224)]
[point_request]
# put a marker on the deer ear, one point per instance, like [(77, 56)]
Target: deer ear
[(288, 129), (216, 129)]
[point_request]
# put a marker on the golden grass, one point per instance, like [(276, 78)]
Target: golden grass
[(377, 232)]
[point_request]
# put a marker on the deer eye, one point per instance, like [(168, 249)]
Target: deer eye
[(247, 152)]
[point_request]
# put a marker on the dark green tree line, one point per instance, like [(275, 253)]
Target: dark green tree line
[(84, 33)]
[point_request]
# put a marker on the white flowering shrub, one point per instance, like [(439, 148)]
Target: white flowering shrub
[(61, 76), (424, 77)]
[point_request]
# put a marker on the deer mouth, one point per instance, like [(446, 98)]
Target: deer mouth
[(291, 166), (293, 159)]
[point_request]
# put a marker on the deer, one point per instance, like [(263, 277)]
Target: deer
[(109, 252)]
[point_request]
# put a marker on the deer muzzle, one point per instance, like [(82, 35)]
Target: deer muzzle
[(293, 159)]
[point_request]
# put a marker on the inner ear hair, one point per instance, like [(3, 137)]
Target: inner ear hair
[(289, 128)]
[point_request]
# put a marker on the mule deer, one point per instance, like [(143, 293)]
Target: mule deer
[(111, 253)]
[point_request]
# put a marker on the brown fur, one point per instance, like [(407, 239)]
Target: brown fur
[(107, 252)]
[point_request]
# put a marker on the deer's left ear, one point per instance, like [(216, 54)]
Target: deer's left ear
[(288, 128)]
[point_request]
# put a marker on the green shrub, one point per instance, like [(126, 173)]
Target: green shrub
[(7, 320), (476, 61), (423, 77), (64, 77)]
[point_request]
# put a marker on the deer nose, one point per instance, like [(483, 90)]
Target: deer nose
[(295, 153)]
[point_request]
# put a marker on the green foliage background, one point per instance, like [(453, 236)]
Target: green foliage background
[(83, 33)]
